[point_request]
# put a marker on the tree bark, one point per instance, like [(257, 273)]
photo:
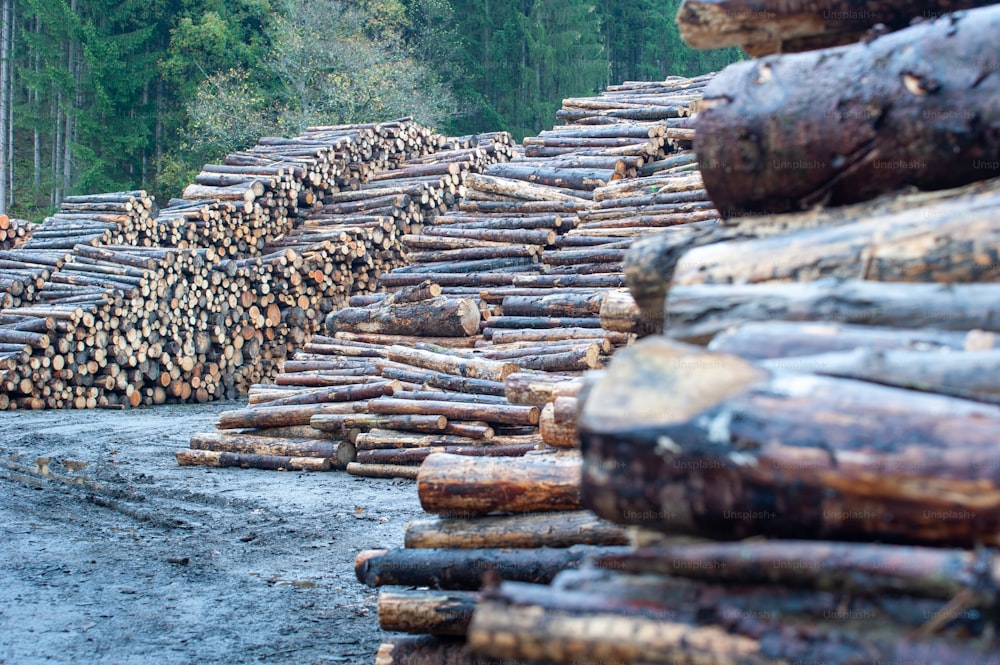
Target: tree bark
[(777, 27), (686, 441), (914, 107), (460, 486), (557, 529), (698, 313), (464, 569), (445, 317)]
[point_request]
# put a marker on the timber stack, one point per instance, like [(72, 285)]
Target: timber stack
[(13, 232), (812, 431), (524, 277), (114, 303)]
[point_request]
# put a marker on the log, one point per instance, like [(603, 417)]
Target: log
[(426, 612), (339, 453), (787, 339), (463, 570), (382, 470), (418, 455), (768, 26), (625, 623), (426, 650), (687, 441), (854, 568), (280, 416), (458, 486), (698, 313), (446, 317), (341, 423), (251, 461), (969, 375), (914, 107), (476, 368), (556, 529), (505, 414), (948, 242), (535, 389)]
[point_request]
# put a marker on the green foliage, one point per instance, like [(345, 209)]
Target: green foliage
[(146, 91)]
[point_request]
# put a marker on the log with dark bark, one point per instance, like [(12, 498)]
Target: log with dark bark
[(687, 441), (464, 569), (915, 107), (768, 26), (855, 568)]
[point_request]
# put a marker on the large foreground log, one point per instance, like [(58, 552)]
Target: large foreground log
[(686, 441), (914, 107)]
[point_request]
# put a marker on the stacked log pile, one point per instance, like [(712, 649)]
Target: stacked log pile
[(119, 218), (13, 232), (519, 278), (211, 295), (842, 420)]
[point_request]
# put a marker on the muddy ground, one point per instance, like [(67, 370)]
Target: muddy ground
[(112, 553)]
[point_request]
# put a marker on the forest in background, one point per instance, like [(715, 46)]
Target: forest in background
[(105, 96)]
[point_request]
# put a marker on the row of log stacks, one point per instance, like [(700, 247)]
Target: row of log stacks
[(915, 107), (207, 319), (13, 232), (517, 275), (765, 27), (834, 431)]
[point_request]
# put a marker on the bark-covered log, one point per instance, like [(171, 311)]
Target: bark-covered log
[(948, 242), (771, 26), (427, 650), (698, 313), (444, 317), (854, 568), (251, 461), (558, 529), (658, 620), (340, 453), (915, 107), (788, 339), (464, 569), (426, 612), (651, 262), (687, 441), (461, 486)]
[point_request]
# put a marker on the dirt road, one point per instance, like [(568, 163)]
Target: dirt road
[(112, 553)]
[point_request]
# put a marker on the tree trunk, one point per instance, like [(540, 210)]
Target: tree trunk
[(686, 441), (914, 107)]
